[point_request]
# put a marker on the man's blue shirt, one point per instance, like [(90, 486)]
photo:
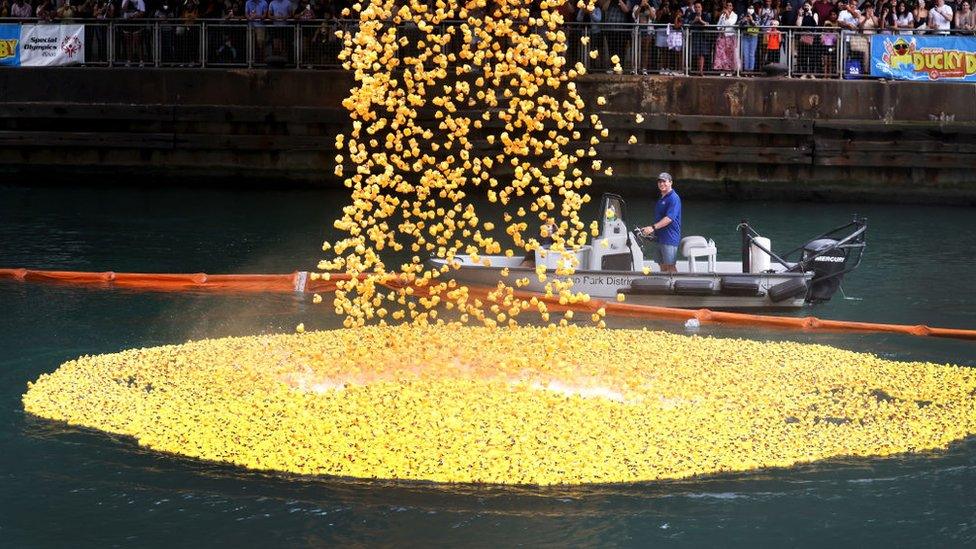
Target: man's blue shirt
[(258, 7), (669, 205), (279, 8)]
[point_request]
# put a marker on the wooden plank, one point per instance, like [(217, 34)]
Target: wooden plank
[(896, 160), (305, 115), (80, 111), (709, 124), (686, 123), (707, 153), (121, 140), (902, 146), (254, 142), (864, 126), (193, 113)]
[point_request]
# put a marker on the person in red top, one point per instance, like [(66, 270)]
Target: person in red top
[(823, 8)]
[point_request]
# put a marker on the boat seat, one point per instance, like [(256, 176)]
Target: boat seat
[(693, 247), (611, 250)]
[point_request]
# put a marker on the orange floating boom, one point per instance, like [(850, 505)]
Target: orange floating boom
[(301, 282)]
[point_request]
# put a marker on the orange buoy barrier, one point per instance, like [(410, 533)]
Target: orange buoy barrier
[(301, 282), (298, 281), (808, 323)]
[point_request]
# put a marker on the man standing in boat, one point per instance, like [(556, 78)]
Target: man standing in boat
[(667, 224)]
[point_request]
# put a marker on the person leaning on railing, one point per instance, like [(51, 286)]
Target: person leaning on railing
[(749, 24), (664, 18), (644, 15), (325, 44), (676, 43), (45, 11), (886, 16), (233, 11), (616, 13), (20, 9), (823, 8), (921, 13), (774, 42), (134, 43), (725, 44), (279, 11), (697, 22), (807, 62), (594, 16), (829, 39), (869, 22), (768, 13), (965, 17), (940, 17), (904, 18), (256, 11), (788, 16), (859, 46)]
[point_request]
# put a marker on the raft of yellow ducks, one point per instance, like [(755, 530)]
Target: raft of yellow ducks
[(510, 405)]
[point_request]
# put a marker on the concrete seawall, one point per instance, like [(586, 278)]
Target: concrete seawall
[(799, 139)]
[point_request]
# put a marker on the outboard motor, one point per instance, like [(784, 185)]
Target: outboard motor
[(827, 260), (829, 256)]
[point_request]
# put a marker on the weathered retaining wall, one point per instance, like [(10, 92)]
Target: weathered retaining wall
[(803, 139)]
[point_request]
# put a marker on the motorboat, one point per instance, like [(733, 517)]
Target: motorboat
[(614, 263)]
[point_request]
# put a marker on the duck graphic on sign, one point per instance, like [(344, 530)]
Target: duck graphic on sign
[(898, 54)]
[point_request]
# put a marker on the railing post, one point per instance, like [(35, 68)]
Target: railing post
[(299, 46), (738, 51), (296, 47), (110, 47), (203, 44), (249, 46), (789, 53), (635, 49), (686, 49), (156, 42), (842, 52), (585, 50)]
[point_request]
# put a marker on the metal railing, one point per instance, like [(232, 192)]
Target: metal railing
[(640, 49)]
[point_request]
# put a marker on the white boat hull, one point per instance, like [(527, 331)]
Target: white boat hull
[(711, 290)]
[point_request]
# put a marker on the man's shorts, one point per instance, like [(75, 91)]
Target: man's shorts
[(666, 254)]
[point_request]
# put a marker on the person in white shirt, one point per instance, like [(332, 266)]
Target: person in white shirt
[(904, 19), (20, 9), (940, 17), (847, 18)]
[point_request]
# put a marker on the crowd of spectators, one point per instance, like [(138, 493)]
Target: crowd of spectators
[(715, 26), (867, 15), (722, 35), (185, 10)]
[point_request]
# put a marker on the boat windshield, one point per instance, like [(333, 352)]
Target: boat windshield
[(612, 209)]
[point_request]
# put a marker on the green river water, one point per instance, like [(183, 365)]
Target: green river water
[(62, 486)]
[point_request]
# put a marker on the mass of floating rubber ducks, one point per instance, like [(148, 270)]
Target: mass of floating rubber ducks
[(527, 405), (440, 114)]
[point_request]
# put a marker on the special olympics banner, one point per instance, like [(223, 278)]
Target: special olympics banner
[(49, 45), (10, 44), (924, 57)]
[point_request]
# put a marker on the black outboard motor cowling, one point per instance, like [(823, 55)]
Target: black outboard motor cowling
[(827, 261)]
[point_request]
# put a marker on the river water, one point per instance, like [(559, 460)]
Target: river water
[(64, 486)]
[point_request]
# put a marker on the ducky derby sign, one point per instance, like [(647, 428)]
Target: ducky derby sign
[(9, 45), (927, 58)]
